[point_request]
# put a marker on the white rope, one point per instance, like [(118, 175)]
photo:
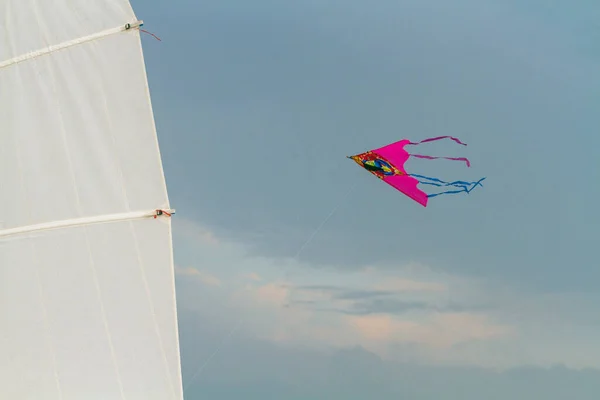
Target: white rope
[(68, 223), (69, 43)]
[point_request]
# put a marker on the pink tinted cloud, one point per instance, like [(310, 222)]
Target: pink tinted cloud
[(273, 294), (253, 276), (204, 277), (195, 232), (440, 330)]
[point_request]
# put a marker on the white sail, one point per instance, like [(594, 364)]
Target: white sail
[(87, 295)]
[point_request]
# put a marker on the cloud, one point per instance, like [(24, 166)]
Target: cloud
[(259, 369), (371, 307), (192, 231), (438, 330), (189, 271), (330, 316), (252, 276), (388, 306), (205, 278), (272, 294), (410, 312), (375, 301), (408, 285)]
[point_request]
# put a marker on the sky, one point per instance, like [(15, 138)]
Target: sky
[(301, 276)]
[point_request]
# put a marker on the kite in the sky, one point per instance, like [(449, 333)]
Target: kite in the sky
[(387, 163)]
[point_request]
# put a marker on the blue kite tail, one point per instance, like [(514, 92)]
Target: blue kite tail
[(462, 185), (463, 189)]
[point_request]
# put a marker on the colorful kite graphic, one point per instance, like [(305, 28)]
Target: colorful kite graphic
[(387, 163)]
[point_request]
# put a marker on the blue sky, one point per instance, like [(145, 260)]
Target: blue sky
[(258, 103)]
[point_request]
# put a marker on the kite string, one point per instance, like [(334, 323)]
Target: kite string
[(240, 322), (322, 224), (152, 34), (214, 353)]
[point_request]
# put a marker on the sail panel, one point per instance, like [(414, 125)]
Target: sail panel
[(78, 134), (85, 311), (89, 312)]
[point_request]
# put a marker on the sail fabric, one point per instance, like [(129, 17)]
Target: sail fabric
[(86, 311)]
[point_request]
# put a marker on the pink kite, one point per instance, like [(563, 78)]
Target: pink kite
[(387, 163)]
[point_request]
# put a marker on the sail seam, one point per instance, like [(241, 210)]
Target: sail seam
[(43, 304), (75, 222), (69, 43), (152, 309)]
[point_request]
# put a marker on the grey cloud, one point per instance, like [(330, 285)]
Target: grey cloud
[(392, 306), (323, 288), (362, 294), (341, 292), (364, 302)]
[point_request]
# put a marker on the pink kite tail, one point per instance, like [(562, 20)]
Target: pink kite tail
[(466, 160), (438, 138)]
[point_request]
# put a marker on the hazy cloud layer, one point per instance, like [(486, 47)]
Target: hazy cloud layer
[(412, 313), (255, 369)]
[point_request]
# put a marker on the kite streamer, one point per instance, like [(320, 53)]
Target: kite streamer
[(433, 139), (466, 160), (387, 163)]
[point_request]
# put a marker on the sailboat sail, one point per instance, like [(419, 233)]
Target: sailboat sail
[(87, 295)]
